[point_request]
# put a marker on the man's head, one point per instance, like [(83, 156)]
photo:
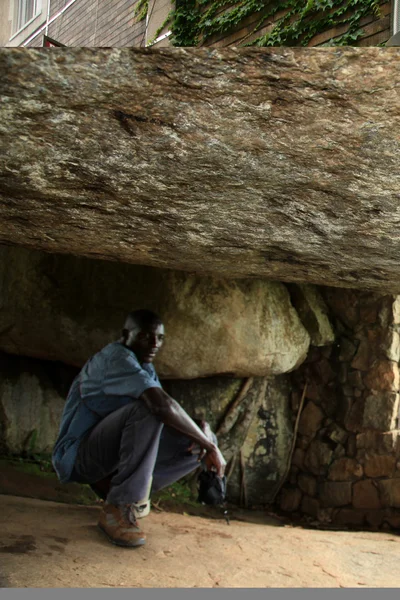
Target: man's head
[(143, 333)]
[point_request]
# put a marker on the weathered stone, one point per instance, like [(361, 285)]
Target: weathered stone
[(396, 310), (290, 499), (307, 484), (345, 469), (343, 370), (310, 419), (381, 411), (355, 415), (323, 371), (310, 506), (298, 458), (335, 494), (267, 442), (379, 465), (337, 434), (344, 304), (375, 518), (351, 446), (318, 457), (355, 379), (369, 311), (390, 492), (213, 327), (32, 397), (313, 391), (347, 349), (349, 516), (339, 452), (381, 443), (383, 376), (391, 345), (313, 313), (348, 391), (393, 518), (162, 179), (365, 494), (364, 356)]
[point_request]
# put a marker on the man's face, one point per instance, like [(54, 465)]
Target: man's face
[(146, 342)]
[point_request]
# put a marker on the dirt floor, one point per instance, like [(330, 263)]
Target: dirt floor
[(51, 544)]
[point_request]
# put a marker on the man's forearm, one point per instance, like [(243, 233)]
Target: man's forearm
[(171, 413)]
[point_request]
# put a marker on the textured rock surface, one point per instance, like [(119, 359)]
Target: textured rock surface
[(262, 429), (32, 396), (77, 305), (131, 155)]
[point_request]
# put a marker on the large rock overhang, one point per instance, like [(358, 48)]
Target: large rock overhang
[(280, 163)]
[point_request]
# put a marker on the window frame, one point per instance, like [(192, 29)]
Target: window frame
[(20, 7), (396, 17)]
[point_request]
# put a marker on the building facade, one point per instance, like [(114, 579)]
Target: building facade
[(141, 23)]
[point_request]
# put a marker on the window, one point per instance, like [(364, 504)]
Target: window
[(25, 11)]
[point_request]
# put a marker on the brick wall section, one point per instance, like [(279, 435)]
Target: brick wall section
[(97, 23), (376, 30)]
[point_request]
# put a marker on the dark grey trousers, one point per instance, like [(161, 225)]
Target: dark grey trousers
[(133, 446)]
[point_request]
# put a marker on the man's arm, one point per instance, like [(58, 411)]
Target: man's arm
[(165, 408)]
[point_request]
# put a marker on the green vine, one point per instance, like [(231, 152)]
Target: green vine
[(141, 10), (195, 21)]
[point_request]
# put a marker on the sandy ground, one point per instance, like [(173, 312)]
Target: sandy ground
[(49, 544)]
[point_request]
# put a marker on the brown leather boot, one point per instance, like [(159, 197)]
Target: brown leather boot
[(120, 526)]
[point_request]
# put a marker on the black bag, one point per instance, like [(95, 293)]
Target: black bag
[(212, 488)]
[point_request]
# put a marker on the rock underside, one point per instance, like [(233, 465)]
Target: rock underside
[(277, 163)]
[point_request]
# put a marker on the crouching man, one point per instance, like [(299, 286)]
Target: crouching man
[(124, 435)]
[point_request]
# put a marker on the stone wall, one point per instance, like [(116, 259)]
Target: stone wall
[(345, 466)]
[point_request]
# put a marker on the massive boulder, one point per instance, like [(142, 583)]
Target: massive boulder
[(65, 308), (275, 163)]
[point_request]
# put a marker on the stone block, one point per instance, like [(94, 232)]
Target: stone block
[(391, 345), (310, 420), (335, 494), (396, 310), (375, 518), (349, 516), (366, 494), (383, 376), (345, 469), (351, 446), (393, 518), (290, 499), (381, 411), (348, 349), (310, 506), (354, 418), (363, 358), (323, 371), (379, 465), (337, 434), (298, 458), (380, 443), (318, 457), (307, 484), (390, 492), (313, 313), (355, 379)]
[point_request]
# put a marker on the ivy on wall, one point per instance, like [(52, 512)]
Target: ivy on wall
[(194, 21)]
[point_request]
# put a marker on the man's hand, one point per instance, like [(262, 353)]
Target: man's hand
[(215, 461)]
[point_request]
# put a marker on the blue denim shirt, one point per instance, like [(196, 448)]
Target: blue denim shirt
[(109, 380)]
